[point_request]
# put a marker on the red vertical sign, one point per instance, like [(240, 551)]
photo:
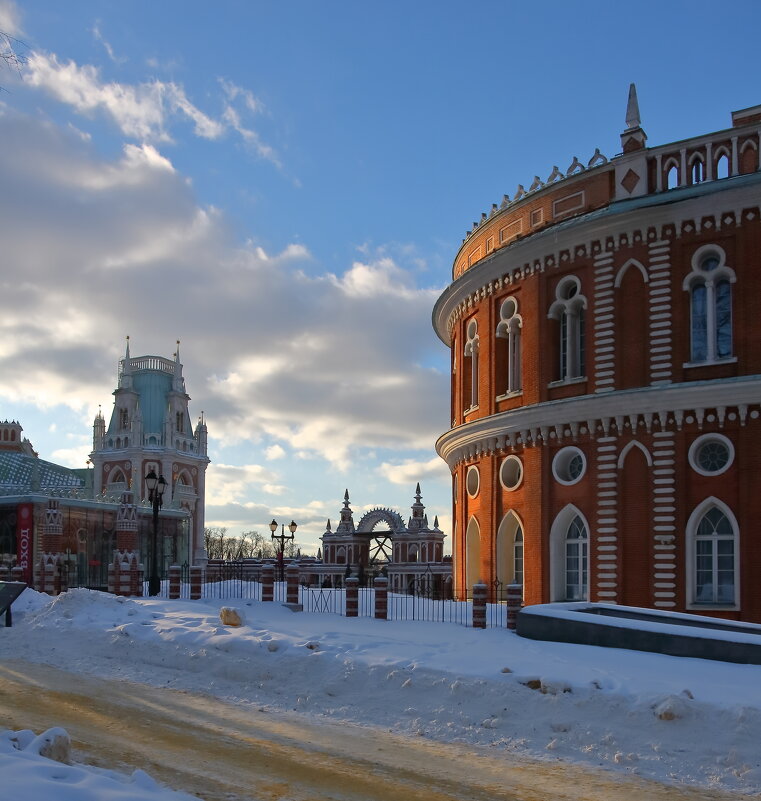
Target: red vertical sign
[(24, 532)]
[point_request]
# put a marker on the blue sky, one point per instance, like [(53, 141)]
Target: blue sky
[(283, 187)]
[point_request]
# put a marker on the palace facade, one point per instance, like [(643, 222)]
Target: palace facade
[(606, 379)]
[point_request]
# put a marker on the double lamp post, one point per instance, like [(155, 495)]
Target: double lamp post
[(280, 539), (156, 486)]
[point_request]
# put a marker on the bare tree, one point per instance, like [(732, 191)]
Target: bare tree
[(9, 52)]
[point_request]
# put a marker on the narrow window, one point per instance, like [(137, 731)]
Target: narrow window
[(518, 557), (714, 559), (672, 178), (699, 324), (722, 167), (723, 319), (576, 561)]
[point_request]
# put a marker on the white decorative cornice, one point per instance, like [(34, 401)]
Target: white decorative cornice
[(662, 408)]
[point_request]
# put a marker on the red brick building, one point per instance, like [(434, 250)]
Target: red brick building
[(606, 379)]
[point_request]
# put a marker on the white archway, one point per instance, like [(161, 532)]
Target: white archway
[(506, 536), (472, 554)]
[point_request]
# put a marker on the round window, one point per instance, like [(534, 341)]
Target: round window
[(511, 472), (711, 454), (472, 481), (569, 465), (508, 309), (472, 329)]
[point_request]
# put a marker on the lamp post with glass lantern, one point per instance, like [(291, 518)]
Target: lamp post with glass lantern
[(156, 486), (280, 539)]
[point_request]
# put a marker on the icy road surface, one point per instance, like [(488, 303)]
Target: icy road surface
[(223, 751)]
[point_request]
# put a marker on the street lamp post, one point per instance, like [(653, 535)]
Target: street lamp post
[(280, 539), (156, 486)]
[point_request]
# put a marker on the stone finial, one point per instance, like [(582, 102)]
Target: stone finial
[(633, 138), (632, 109)]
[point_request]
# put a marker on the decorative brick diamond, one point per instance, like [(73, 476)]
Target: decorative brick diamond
[(630, 181)]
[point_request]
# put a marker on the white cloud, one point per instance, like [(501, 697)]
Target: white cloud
[(10, 19), (75, 456), (106, 45), (227, 483), (145, 111), (409, 471), (94, 249), (142, 111), (274, 452)]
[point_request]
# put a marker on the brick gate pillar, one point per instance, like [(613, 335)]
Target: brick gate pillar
[(479, 605), (352, 596), (292, 583), (175, 573), (268, 583), (196, 576), (381, 597), (514, 604)]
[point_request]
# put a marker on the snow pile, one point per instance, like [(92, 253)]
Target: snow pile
[(670, 719), (36, 768)]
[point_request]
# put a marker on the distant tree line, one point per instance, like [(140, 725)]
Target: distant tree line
[(248, 545)]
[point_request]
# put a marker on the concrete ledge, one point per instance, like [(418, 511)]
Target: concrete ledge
[(636, 629)]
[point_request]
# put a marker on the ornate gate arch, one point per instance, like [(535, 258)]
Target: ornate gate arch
[(381, 541)]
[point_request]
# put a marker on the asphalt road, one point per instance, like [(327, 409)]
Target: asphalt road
[(226, 752)]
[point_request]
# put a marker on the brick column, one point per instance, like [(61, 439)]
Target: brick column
[(175, 572), (514, 603), (381, 597), (292, 583), (196, 576), (479, 605), (268, 583), (352, 596)]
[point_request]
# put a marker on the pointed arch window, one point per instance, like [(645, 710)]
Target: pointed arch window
[(576, 561), (509, 329), (715, 550), (569, 310), (710, 287)]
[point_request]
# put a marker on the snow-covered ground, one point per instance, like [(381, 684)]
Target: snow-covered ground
[(674, 720)]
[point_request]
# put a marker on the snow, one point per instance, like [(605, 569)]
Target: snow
[(29, 775), (628, 711)]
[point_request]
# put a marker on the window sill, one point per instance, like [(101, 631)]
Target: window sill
[(508, 395), (470, 410), (728, 360), (567, 382), (714, 607)]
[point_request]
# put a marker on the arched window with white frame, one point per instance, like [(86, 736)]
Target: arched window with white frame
[(569, 310), (697, 169), (713, 555), (470, 368), (576, 561), (710, 287), (569, 556), (509, 355)]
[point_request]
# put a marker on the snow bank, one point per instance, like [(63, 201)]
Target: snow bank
[(33, 768), (636, 712)]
